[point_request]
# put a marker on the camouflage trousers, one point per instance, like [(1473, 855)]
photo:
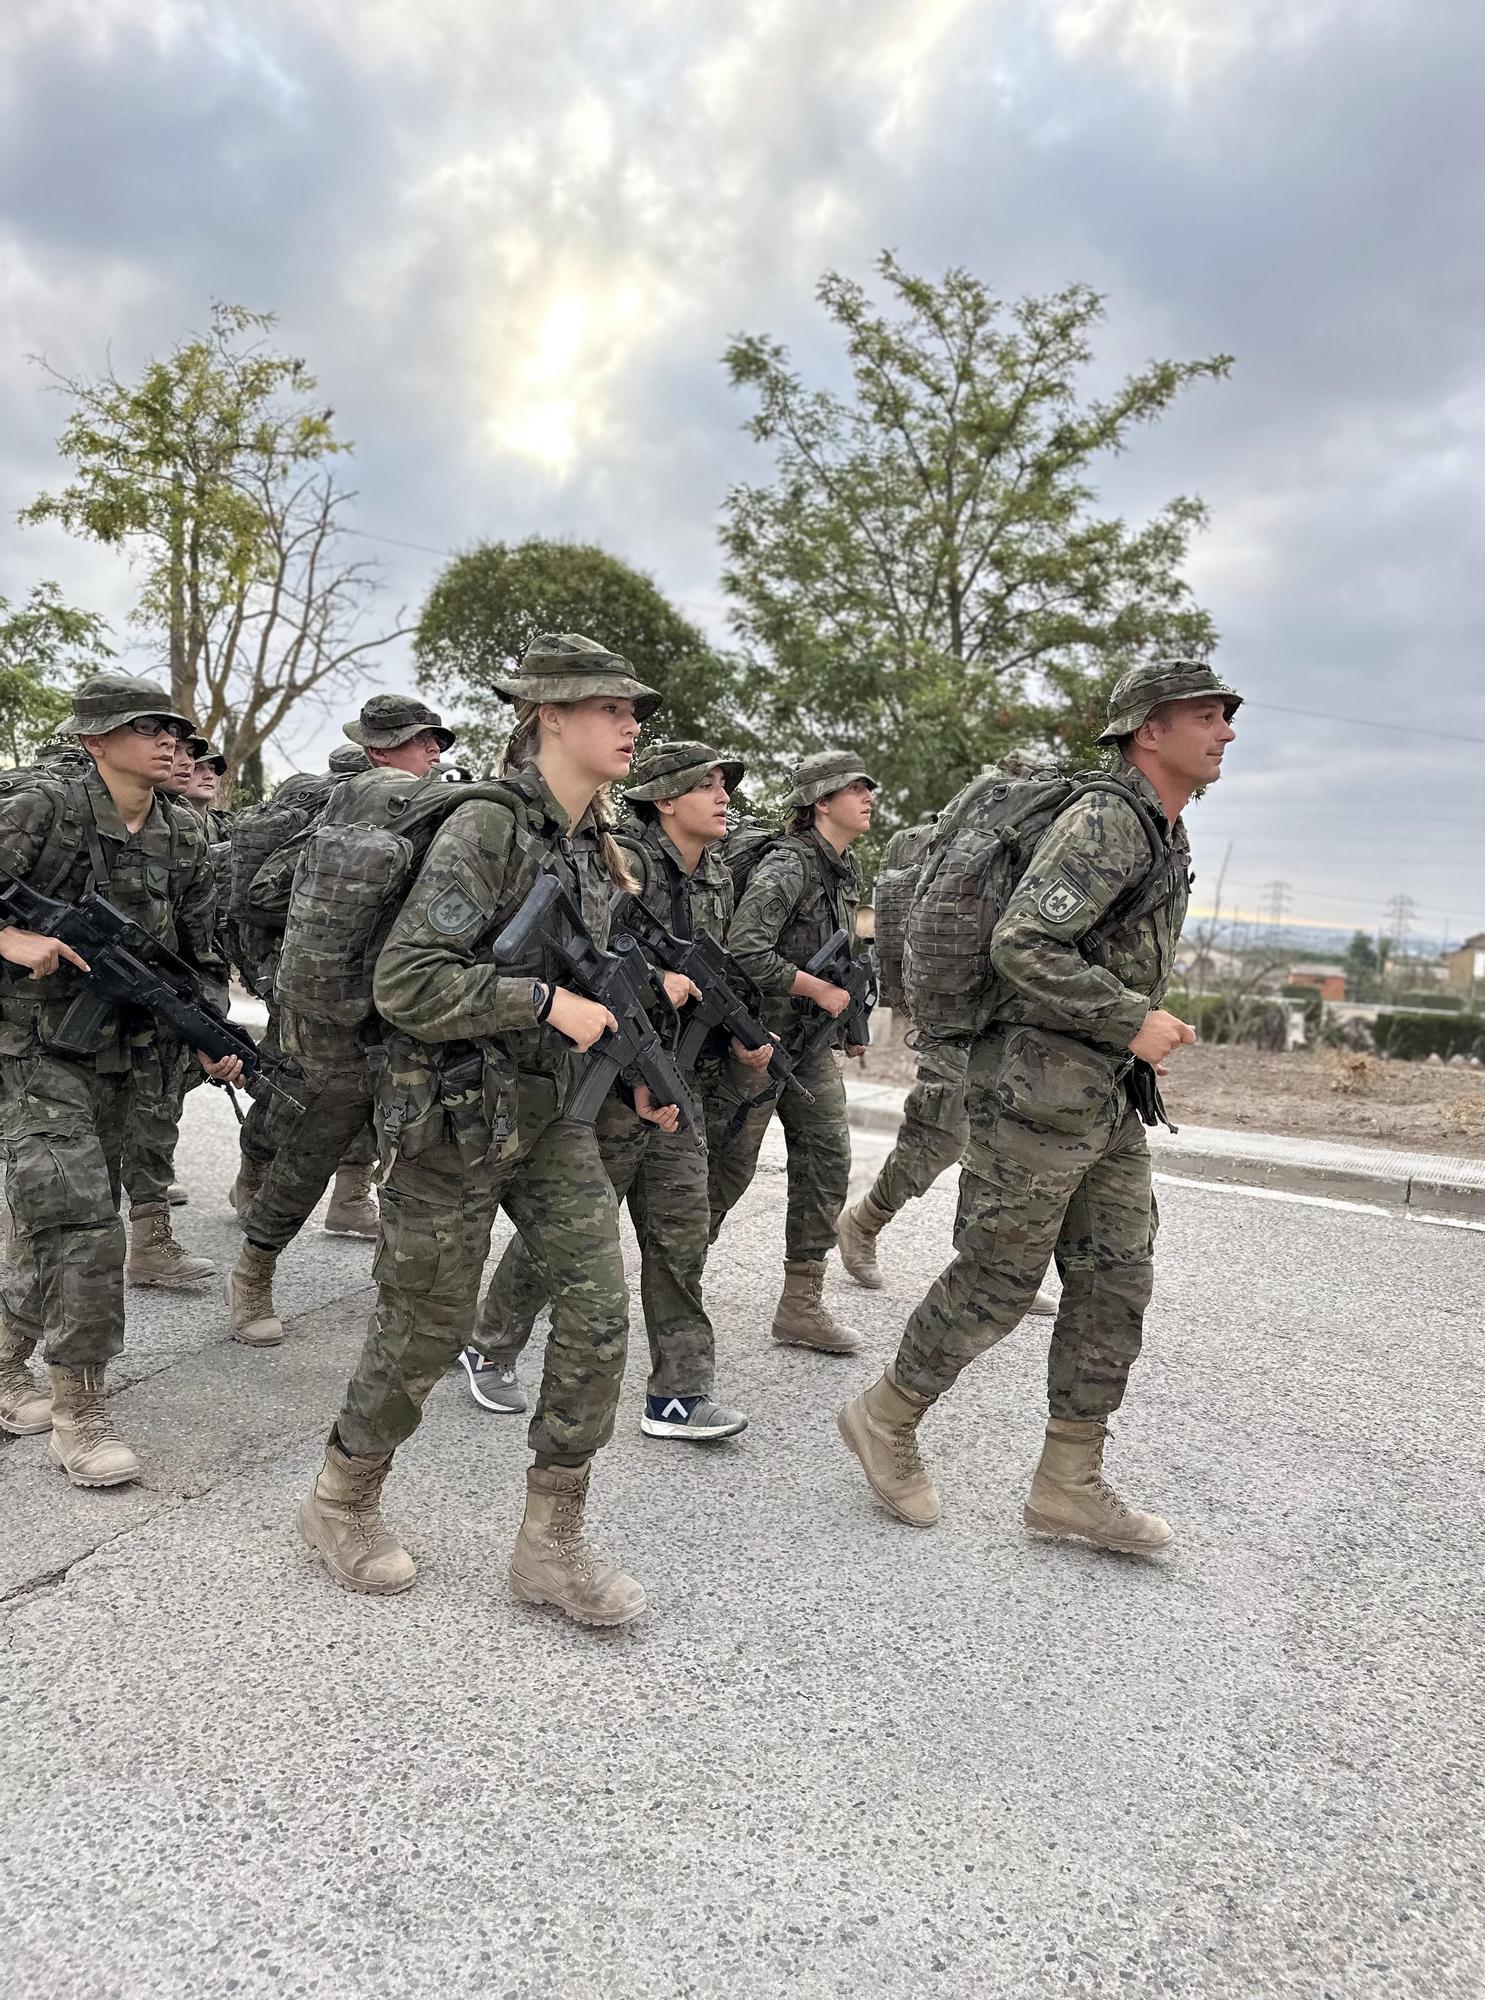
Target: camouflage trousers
[(62, 1124), (934, 1128), (819, 1146), (163, 1073), (337, 1088), (662, 1175), (436, 1221), (1029, 1191), (269, 1118)]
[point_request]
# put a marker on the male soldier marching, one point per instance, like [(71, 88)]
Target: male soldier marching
[(155, 1257), (62, 1116), (1057, 1155), (404, 739)]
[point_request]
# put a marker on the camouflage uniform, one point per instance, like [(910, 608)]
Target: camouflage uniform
[(455, 1155), (63, 1118), (161, 1088), (1057, 1160), (934, 1125), (662, 1175), (798, 895), (338, 1064), (269, 1118)]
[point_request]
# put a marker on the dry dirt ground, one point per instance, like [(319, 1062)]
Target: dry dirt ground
[(1312, 1094)]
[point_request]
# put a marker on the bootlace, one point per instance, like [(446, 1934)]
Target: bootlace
[(90, 1418), (906, 1458), (569, 1536)]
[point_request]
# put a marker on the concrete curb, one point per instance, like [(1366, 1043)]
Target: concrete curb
[(1424, 1183)]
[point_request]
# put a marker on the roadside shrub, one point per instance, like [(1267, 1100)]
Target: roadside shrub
[(1433, 998), (1416, 1037)]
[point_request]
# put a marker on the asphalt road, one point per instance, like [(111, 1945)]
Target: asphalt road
[(839, 1757)]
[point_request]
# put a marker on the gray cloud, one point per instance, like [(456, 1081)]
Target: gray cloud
[(513, 242)]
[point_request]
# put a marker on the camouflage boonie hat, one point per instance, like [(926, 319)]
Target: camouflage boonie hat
[(108, 701), (206, 752), (1141, 691), (564, 666), (827, 771), (348, 758), (669, 770), (389, 720)]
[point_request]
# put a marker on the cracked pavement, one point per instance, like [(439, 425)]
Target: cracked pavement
[(839, 1757)]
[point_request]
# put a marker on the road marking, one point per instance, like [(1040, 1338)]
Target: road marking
[(1445, 1221), (1277, 1194)]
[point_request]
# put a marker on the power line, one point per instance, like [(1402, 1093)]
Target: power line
[(1367, 723)]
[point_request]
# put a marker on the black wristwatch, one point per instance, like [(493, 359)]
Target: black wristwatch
[(542, 996)]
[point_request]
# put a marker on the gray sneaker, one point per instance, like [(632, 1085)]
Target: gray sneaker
[(493, 1385), (694, 1417)]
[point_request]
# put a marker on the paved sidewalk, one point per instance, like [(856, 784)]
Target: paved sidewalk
[(1435, 1183)]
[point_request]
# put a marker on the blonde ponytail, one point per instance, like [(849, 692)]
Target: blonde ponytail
[(520, 749)]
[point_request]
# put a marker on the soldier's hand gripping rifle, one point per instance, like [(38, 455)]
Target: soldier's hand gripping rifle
[(729, 1000), (619, 980), (838, 965), (129, 968)]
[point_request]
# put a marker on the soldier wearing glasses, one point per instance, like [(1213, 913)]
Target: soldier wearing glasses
[(66, 829)]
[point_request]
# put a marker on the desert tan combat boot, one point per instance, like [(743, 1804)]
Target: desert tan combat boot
[(83, 1443), (856, 1231), (25, 1407), (352, 1211), (250, 1308), (249, 1180), (803, 1319), (552, 1562), (881, 1427), (1070, 1497), (341, 1519), (155, 1258)]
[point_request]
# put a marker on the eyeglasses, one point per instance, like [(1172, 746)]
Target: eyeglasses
[(160, 725)]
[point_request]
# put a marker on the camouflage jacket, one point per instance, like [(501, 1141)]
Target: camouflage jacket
[(434, 979), (161, 876), (798, 895), (685, 903), (1059, 971)]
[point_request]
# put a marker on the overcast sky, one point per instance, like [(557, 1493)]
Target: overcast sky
[(513, 240)]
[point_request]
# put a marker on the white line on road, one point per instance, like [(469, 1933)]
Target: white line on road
[(1277, 1194)]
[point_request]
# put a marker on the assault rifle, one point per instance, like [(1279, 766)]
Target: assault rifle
[(729, 999), (127, 967), (619, 980), (836, 963)]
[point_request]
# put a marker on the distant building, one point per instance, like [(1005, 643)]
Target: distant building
[(1326, 980), (1466, 965)]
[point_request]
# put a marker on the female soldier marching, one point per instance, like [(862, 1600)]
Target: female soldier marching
[(458, 1151)]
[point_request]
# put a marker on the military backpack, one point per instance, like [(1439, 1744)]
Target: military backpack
[(891, 900), (353, 876), (981, 848)]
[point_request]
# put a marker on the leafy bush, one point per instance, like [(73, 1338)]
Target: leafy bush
[(1415, 1037)]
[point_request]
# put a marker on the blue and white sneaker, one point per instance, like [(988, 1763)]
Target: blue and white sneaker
[(694, 1417), (493, 1384)]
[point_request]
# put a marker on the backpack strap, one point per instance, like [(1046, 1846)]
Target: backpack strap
[(1126, 904)]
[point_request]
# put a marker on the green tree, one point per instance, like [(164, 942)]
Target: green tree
[(211, 472), (489, 603), (1364, 965), (926, 579), (45, 646)]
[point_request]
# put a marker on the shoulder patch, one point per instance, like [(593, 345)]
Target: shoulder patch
[(453, 912), (1061, 899)]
